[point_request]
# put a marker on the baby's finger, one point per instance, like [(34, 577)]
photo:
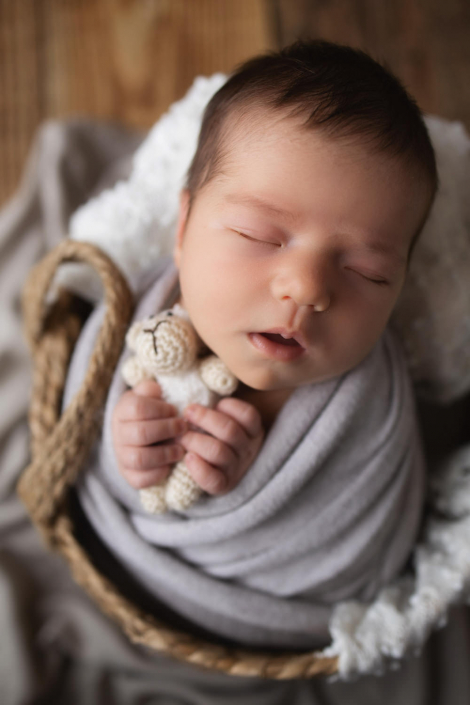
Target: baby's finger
[(210, 449), (148, 388), (218, 424), (243, 413), (136, 407), (139, 479), (145, 433), (149, 457), (210, 479)]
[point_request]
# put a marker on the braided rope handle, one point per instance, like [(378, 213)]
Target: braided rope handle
[(60, 445)]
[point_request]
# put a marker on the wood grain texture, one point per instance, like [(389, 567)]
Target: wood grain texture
[(20, 99), (426, 43), (127, 60), (122, 60)]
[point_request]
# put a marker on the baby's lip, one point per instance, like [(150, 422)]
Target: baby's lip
[(295, 334)]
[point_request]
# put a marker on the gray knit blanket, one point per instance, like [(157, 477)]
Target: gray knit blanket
[(329, 510)]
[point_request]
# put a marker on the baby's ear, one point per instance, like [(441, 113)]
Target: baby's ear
[(181, 225), (133, 333)]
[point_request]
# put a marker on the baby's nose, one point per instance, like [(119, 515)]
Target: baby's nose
[(306, 281)]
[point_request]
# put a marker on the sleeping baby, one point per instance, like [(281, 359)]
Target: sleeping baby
[(312, 179)]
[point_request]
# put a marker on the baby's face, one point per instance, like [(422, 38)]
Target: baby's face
[(302, 236)]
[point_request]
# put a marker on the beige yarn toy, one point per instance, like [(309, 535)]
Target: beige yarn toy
[(166, 348)]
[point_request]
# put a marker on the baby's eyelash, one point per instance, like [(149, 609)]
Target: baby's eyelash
[(254, 239), (380, 282)]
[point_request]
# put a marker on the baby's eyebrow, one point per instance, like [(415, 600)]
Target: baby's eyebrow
[(383, 249), (243, 199), (257, 202)]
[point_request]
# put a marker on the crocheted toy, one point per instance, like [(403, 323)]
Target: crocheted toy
[(166, 348)]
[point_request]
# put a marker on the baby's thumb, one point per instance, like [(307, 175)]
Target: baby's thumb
[(148, 388)]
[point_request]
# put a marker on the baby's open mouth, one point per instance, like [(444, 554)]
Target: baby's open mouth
[(277, 338), (275, 347)]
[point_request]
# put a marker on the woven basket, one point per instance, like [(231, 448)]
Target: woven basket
[(60, 445)]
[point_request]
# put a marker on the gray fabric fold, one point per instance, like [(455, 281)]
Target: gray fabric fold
[(328, 511)]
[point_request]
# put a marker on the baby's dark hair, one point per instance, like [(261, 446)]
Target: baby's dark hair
[(341, 91)]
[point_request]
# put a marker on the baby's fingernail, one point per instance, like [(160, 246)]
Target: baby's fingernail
[(181, 425), (190, 410), (220, 482)]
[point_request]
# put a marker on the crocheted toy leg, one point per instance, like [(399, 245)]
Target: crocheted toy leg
[(153, 499), (181, 490)]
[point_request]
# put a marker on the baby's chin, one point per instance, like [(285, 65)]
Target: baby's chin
[(271, 382), (262, 382)]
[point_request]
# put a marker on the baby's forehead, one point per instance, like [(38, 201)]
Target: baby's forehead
[(256, 130), (262, 141), (260, 134), (249, 127)]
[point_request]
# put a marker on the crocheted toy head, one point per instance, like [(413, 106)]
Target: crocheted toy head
[(166, 348), (164, 344)]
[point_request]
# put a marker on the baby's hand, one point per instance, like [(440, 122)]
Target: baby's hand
[(218, 461), (141, 418)]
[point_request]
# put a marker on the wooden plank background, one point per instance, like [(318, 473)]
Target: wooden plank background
[(426, 43), (123, 60), (127, 60)]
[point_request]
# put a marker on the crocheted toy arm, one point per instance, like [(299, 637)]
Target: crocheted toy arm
[(133, 371), (181, 490), (217, 377)]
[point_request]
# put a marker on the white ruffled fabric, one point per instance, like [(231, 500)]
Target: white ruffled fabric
[(432, 315), (367, 638), (134, 223)]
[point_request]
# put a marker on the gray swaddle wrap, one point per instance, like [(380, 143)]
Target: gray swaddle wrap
[(329, 510)]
